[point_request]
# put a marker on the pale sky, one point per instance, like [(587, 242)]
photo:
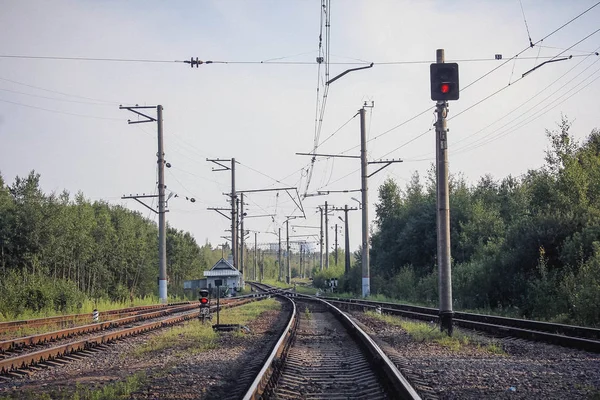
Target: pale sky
[(62, 117)]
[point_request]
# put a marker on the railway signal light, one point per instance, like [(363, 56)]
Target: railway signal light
[(444, 81), (204, 300)]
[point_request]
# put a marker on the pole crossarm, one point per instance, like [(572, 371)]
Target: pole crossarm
[(134, 109), (220, 211), (386, 162), (347, 71), (326, 155), (544, 63), (259, 216), (344, 209), (218, 161), (136, 198), (265, 190)]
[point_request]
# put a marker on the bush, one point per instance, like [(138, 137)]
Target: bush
[(583, 290), (26, 294)]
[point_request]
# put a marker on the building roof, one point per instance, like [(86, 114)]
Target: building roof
[(223, 264), (221, 272), (222, 268)]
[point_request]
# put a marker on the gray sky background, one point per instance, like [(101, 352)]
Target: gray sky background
[(61, 118)]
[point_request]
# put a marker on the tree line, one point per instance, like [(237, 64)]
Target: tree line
[(58, 249), (527, 245)]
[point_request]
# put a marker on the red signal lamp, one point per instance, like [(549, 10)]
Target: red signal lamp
[(203, 300), (445, 88)]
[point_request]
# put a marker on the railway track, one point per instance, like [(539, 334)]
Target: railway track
[(8, 327), (21, 356), (578, 337), (323, 354)]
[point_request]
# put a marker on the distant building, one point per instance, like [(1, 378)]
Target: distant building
[(223, 270)]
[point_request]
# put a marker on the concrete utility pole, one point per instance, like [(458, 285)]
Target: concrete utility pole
[(279, 257), (321, 241), (366, 283), (443, 212), (255, 254), (234, 239), (336, 245), (242, 234), (288, 277), (301, 262), (233, 217), (326, 237), (162, 224), (346, 242)]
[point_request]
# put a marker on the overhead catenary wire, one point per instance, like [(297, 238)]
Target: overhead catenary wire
[(61, 112), (474, 82)]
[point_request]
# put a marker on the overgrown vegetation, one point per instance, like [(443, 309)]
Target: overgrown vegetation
[(528, 244), (59, 254), (424, 332), (194, 337), (119, 390)]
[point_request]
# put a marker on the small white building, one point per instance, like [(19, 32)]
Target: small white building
[(224, 271)]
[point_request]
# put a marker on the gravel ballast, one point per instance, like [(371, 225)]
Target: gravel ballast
[(170, 374), (525, 369)]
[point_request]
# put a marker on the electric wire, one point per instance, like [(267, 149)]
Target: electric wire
[(475, 81), (61, 112)]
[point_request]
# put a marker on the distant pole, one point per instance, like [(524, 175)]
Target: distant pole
[(162, 224), (336, 245), (242, 236), (326, 237), (443, 213), (288, 277), (321, 242), (301, 262), (234, 242), (279, 258), (255, 254), (347, 242), (261, 260), (366, 284)]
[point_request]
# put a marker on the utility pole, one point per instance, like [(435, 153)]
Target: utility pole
[(443, 212), (234, 239), (255, 253), (301, 261), (326, 237), (366, 284), (346, 209), (233, 218), (242, 234), (279, 257), (336, 245), (162, 225), (321, 241), (346, 242), (288, 277)]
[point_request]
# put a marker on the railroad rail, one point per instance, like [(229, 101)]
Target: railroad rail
[(321, 357), (564, 335), (17, 364), (9, 326)]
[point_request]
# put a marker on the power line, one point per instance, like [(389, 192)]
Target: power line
[(57, 92), (54, 98), (60, 112)]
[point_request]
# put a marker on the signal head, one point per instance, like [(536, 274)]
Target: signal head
[(444, 81)]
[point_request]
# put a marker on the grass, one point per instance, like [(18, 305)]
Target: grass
[(194, 337), (88, 306), (112, 391), (307, 313), (424, 332)]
